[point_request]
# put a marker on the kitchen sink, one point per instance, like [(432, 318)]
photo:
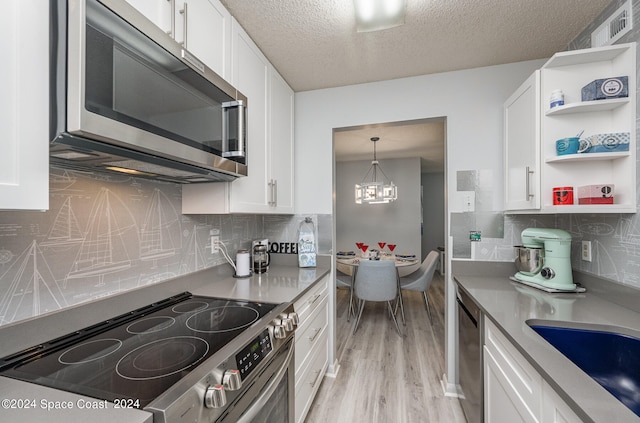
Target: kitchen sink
[(609, 355)]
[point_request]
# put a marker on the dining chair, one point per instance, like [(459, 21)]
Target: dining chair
[(344, 280), (420, 280), (376, 280)]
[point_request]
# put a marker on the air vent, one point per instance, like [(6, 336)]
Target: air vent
[(618, 24)]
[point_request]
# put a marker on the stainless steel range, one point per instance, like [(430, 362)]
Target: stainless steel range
[(186, 358)]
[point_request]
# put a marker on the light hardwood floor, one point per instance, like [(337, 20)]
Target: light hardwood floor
[(385, 378)]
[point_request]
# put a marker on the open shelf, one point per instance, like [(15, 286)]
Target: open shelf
[(588, 157), (588, 106), (581, 57), (590, 208)]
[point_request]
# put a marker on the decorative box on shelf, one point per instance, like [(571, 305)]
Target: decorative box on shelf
[(606, 88), (605, 143), (596, 194)]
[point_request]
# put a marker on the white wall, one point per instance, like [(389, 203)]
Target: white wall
[(471, 100), (433, 212)]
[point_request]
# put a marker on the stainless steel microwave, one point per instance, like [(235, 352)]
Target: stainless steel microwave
[(125, 97)]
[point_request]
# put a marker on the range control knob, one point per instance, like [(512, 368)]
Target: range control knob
[(293, 316), (279, 332), (215, 397), (288, 324), (231, 380)]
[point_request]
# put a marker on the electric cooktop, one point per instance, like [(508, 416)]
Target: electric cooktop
[(140, 354)]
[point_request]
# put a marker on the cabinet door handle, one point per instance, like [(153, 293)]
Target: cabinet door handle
[(315, 335), (275, 192), (271, 194), (183, 12), (528, 182), (172, 7), (317, 378), (314, 299)]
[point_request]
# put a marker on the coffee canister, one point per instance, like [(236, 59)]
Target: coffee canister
[(562, 196)]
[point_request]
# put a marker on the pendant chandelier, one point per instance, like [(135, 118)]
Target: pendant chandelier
[(374, 191)]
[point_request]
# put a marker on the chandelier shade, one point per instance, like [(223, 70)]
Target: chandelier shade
[(374, 191)]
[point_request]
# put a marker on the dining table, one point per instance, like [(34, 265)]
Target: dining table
[(401, 260)]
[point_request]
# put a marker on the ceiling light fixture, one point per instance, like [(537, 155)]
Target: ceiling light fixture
[(375, 192), (375, 15)]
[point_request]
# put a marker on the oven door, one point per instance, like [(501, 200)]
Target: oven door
[(270, 397)]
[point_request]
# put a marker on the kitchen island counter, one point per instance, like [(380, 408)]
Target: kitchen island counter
[(510, 305)]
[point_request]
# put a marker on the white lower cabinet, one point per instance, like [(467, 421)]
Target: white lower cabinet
[(554, 409), (513, 390), (311, 353), (512, 387)]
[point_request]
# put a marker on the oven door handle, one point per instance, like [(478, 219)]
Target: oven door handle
[(261, 401)]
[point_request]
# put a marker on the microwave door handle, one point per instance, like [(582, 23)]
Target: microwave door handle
[(261, 401), (240, 149), (241, 128), (225, 129)]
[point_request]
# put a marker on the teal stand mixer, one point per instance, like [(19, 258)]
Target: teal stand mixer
[(544, 260)]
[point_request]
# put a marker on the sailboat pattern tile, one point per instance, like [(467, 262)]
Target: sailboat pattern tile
[(106, 234)]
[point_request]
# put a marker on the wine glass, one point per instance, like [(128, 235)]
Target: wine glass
[(364, 249), (382, 244), (391, 247)]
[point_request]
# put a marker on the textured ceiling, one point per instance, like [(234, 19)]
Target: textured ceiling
[(314, 45)]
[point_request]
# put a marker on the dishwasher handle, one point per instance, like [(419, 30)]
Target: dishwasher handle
[(467, 312)]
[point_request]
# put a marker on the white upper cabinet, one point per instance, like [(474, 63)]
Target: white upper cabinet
[(208, 30), (281, 148), (570, 71), (522, 146), (250, 75), (24, 105), (268, 188), (203, 27)]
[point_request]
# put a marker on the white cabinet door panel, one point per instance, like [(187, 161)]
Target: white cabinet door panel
[(522, 146), (24, 105)]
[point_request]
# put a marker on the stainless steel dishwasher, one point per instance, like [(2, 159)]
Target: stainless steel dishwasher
[(470, 357)]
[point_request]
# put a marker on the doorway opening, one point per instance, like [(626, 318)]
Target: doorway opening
[(413, 155)]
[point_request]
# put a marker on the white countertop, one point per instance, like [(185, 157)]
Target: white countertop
[(509, 305)]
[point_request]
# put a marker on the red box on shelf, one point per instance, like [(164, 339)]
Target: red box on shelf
[(596, 194)]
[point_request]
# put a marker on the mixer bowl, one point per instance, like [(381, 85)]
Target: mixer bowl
[(528, 260)]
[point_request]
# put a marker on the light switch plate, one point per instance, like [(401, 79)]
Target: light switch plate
[(465, 201)]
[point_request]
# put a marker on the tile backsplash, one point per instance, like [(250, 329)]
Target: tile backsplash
[(106, 234)]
